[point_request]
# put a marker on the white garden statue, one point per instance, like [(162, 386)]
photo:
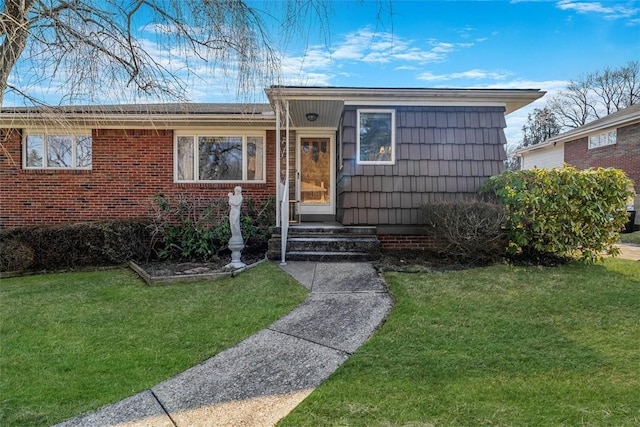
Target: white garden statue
[(236, 243)]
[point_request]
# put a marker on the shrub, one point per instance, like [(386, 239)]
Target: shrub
[(197, 228), (470, 231), (562, 212), (15, 255), (72, 245)]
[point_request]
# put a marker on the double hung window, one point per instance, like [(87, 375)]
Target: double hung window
[(57, 150), (220, 158), (376, 139)]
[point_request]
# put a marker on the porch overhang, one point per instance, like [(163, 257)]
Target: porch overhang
[(307, 99)]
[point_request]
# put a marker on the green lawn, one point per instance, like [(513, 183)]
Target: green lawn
[(630, 237), (74, 342), (506, 346)]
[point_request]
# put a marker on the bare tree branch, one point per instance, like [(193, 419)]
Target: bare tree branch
[(144, 48), (597, 95)]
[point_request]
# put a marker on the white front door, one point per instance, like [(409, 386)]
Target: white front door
[(316, 175)]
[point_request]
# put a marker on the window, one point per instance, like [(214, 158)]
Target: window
[(218, 158), (376, 137), (57, 151), (602, 139)]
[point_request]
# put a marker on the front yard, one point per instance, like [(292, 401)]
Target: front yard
[(73, 342), (499, 345), (509, 346)]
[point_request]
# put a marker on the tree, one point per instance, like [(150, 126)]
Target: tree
[(541, 125), (597, 95), (147, 48)]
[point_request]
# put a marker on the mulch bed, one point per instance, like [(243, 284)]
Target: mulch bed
[(187, 268), (404, 261)]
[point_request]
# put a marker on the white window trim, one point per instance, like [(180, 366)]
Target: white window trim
[(606, 136), (393, 136), (59, 132), (196, 166)]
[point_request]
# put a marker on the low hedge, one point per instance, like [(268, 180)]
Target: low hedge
[(72, 245), (566, 213)]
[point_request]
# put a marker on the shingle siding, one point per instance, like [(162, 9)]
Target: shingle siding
[(442, 153)]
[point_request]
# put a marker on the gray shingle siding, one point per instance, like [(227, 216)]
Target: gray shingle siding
[(442, 153)]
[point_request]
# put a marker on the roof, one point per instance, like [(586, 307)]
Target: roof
[(162, 108), (327, 102), (625, 117), (167, 115)]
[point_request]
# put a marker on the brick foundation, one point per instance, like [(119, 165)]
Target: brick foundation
[(406, 242)]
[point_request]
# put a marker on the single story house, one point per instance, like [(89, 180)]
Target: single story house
[(355, 156), (612, 141)]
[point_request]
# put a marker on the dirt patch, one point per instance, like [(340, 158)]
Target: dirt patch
[(168, 268), (417, 261), (403, 261)]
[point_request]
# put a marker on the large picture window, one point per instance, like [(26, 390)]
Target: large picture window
[(376, 137), (57, 151), (220, 158)]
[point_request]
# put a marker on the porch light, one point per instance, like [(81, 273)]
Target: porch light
[(312, 117)]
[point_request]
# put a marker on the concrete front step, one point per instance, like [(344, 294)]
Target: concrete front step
[(330, 256), (326, 243), (312, 230)]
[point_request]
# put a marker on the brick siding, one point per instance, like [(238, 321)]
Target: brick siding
[(129, 168), (406, 242), (625, 154)]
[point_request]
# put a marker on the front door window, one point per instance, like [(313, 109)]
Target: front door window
[(315, 172)]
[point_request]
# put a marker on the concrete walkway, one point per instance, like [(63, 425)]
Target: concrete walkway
[(260, 380), (629, 251)]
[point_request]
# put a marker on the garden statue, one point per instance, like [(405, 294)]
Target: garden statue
[(236, 244)]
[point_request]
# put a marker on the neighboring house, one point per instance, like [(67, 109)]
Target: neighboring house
[(356, 156), (612, 141)]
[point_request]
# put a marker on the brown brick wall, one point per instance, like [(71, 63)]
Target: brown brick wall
[(406, 242), (625, 154), (129, 168)]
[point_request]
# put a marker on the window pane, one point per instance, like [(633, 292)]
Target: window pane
[(83, 151), (375, 137), (34, 151), (185, 158), (220, 158), (255, 158), (612, 137), (59, 151)]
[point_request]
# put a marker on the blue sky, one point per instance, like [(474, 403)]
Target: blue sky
[(496, 44), (459, 44)]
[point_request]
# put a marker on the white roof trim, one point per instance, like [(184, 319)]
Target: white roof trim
[(511, 99)]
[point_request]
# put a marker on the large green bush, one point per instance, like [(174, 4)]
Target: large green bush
[(565, 213), (197, 228)]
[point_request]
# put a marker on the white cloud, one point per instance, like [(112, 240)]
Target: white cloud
[(365, 47), (474, 74), (608, 11), (518, 118)]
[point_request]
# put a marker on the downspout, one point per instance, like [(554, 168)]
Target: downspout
[(284, 211), (278, 159)]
